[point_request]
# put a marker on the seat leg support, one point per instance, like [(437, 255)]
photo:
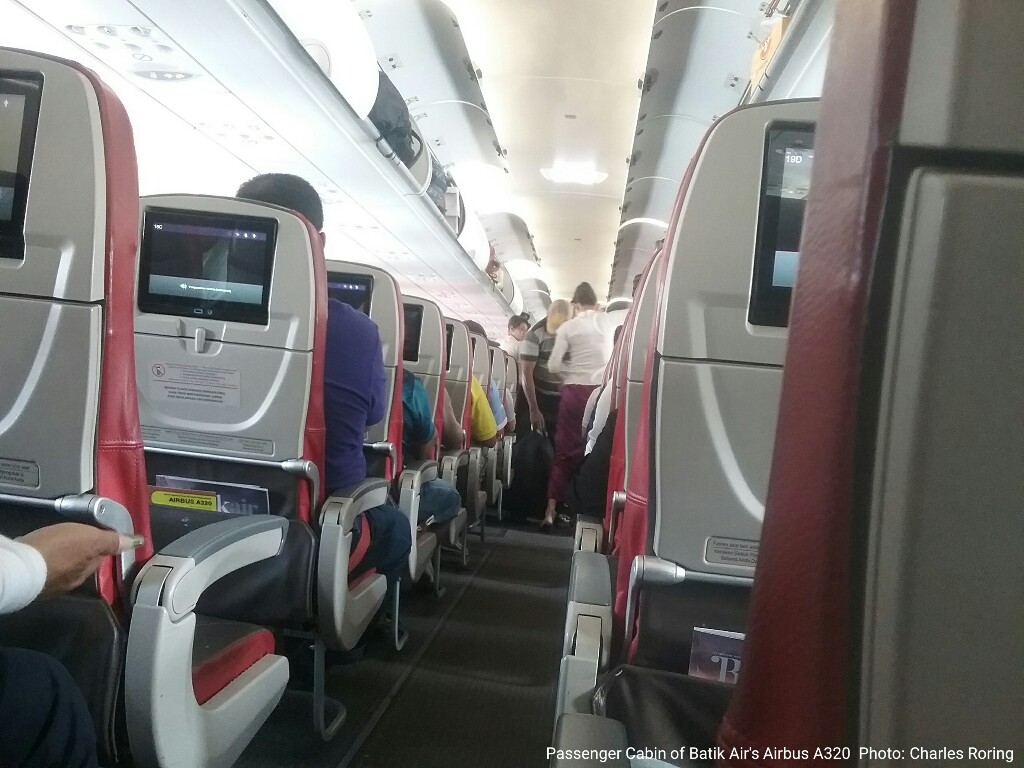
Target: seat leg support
[(399, 637), (438, 589), (321, 702)]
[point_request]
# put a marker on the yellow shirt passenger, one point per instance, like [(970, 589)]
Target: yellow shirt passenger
[(483, 428)]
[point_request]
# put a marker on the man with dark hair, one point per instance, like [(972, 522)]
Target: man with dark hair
[(517, 328), (287, 191), (354, 391)]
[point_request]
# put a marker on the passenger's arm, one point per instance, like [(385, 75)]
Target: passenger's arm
[(378, 383), (53, 560), (556, 363), (452, 434)]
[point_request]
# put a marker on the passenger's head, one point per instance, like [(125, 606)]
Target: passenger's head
[(288, 191), (559, 311), (474, 327), (584, 297), (517, 327)]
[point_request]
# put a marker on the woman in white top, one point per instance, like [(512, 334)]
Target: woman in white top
[(582, 349)]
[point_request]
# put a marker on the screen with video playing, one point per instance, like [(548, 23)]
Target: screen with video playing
[(354, 290), (20, 94), (204, 264), (785, 183), (413, 332)]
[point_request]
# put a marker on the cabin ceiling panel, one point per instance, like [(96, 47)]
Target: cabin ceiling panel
[(661, 142), (266, 107), (560, 80), (649, 198)]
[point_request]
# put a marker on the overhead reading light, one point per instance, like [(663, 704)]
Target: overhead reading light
[(574, 173)]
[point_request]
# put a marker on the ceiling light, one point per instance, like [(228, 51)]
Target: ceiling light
[(574, 173)]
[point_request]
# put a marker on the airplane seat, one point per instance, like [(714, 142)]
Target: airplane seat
[(383, 442), (71, 445), (496, 359), (592, 581), (627, 381), (511, 394), (708, 503), (425, 355), (890, 549), (481, 457), (718, 360), (232, 403), (461, 466)]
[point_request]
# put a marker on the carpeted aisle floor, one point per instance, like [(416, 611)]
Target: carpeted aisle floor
[(475, 685)]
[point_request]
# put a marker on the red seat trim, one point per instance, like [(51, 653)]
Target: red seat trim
[(314, 438), (120, 462), (362, 546), (215, 674), (793, 690), (632, 530)]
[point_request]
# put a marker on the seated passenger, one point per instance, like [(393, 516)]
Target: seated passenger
[(45, 718), (355, 395), (483, 429), (495, 399), (453, 436), (439, 501)]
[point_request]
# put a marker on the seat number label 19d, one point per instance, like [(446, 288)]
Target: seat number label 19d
[(20, 474)]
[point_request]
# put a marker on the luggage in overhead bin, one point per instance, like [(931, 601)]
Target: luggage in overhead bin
[(390, 115), (531, 463)]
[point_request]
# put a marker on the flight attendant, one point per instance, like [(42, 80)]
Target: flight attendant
[(581, 351)]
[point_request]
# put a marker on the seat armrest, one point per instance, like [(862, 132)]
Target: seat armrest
[(345, 504), (590, 579), (459, 456), (427, 468), (602, 741), (177, 575)]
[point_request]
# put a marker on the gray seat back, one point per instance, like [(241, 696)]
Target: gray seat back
[(426, 358), (717, 378), (224, 387), (459, 369)]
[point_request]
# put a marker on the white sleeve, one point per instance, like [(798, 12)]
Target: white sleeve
[(22, 574), (556, 363), (601, 411)]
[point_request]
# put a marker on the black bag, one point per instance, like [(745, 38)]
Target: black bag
[(588, 493), (390, 116), (531, 463)]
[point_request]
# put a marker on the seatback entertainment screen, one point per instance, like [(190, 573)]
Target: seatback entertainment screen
[(785, 184), (450, 333), (413, 332), (354, 290), (20, 94), (205, 264)]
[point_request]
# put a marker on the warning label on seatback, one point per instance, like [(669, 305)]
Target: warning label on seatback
[(22, 474), (725, 551), (195, 384)]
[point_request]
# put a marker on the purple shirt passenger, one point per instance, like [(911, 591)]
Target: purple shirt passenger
[(355, 396)]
